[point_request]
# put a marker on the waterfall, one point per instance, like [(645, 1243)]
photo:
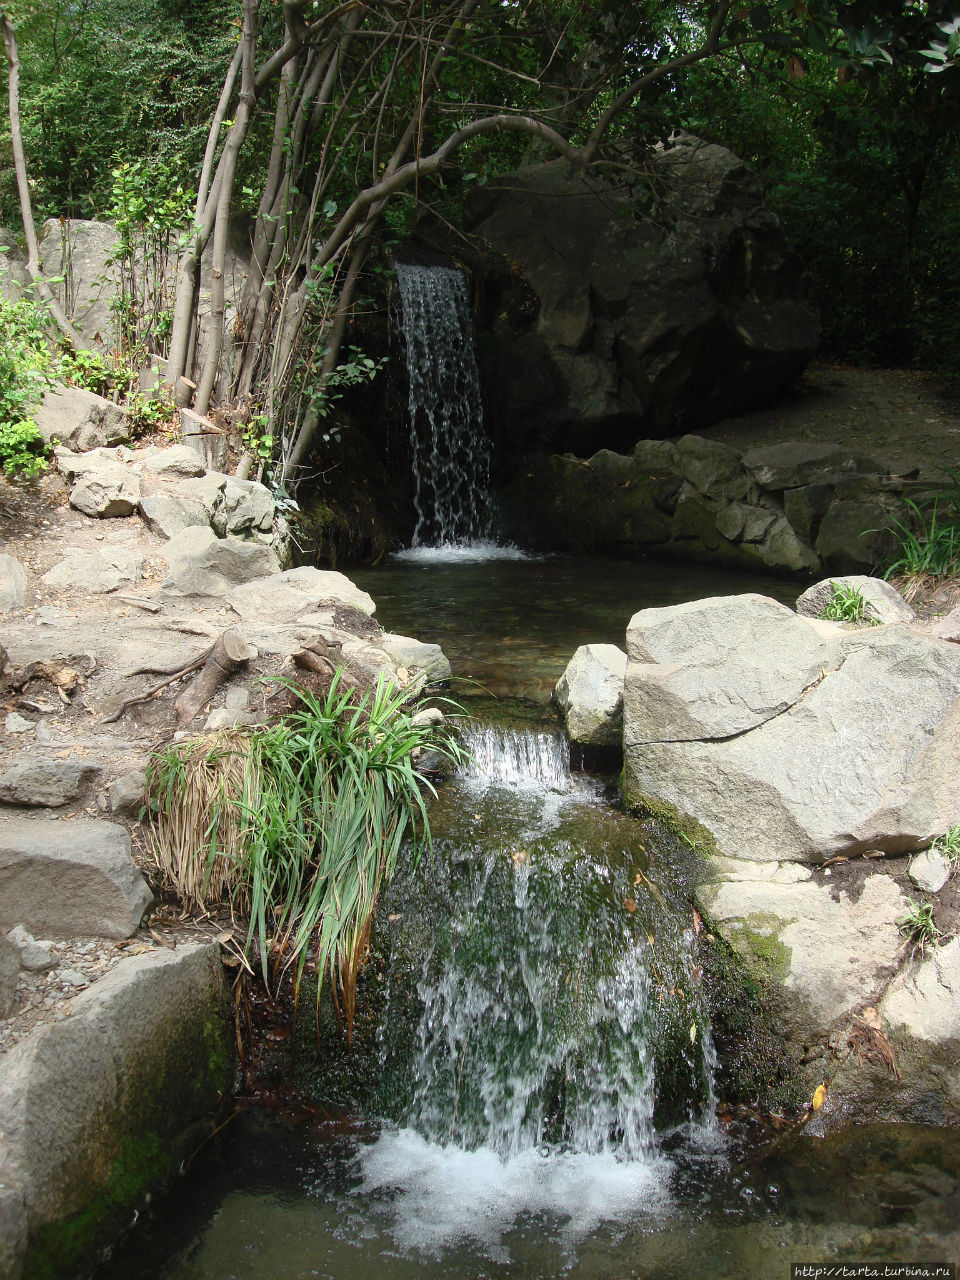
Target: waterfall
[(546, 1004), (449, 447), (531, 759)]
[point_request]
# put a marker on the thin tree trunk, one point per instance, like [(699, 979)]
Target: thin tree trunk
[(23, 187), (231, 152)]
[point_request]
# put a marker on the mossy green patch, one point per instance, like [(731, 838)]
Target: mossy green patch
[(756, 939), (756, 1066), (687, 829), (60, 1248)]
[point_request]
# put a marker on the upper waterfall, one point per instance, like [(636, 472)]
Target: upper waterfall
[(449, 446)]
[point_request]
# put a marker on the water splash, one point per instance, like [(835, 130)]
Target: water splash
[(449, 447), (463, 553)]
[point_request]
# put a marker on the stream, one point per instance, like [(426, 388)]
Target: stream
[(534, 1096)]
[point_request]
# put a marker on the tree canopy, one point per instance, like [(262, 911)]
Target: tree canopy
[(331, 125)]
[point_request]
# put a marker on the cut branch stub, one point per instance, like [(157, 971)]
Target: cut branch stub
[(226, 657)]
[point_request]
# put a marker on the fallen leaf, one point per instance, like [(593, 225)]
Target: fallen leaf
[(630, 905), (697, 923), (819, 1096), (693, 1033)]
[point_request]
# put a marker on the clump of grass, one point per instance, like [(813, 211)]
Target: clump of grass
[(299, 825), (948, 844), (919, 927), (930, 542), (846, 604)]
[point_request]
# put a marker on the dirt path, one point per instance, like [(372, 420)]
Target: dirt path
[(894, 416)]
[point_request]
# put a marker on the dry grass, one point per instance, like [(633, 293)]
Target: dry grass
[(198, 830)]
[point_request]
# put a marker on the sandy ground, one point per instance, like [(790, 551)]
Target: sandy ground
[(897, 417)]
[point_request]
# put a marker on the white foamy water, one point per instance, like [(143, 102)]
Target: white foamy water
[(528, 763), (522, 758), (462, 553), (442, 1194)]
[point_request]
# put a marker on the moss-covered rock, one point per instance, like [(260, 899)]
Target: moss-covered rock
[(98, 1110)]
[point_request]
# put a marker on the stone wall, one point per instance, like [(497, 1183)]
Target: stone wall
[(796, 507)]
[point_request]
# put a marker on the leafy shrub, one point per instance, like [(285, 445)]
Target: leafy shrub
[(26, 371), (21, 449)]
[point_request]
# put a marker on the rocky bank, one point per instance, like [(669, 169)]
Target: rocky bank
[(813, 763), (122, 566)]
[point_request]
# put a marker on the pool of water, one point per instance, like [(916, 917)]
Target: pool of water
[(511, 625), (325, 1197)]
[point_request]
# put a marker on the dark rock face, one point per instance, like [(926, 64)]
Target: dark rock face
[(639, 327)]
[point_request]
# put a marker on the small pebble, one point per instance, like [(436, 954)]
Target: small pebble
[(17, 724), (73, 978)]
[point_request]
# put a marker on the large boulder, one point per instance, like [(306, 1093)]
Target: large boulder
[(14, 277), (95, 572), (791, 743), (797, 507), (590, 695), (825, 951), (167, 514), (107, 491), (66, 879), (297, 593), (9, 974), (640, 324), (98, 1110), (201, 564), (44, 782), (881, 602), (80, 420), (82, 254)]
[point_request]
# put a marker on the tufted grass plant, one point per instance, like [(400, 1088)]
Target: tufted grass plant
[(930, 544), (846, 604), (919, 927), (299, 825), (948, 844)]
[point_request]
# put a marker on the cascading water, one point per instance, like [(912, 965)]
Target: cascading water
[(449, 446), (543, 1008)]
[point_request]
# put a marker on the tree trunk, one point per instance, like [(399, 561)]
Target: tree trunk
[(23, 188), (226, 657)]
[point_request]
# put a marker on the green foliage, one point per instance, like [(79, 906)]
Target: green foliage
[(825, 146), (105, 82), (352, 372), (300, 823), (152, 411), (948, 844), (26, 371), (152, 212), (86, 369), (21, 449), (919, 927), (845, 605), (256, 439), (931, 547)]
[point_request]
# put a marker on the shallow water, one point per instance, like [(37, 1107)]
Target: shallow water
[(511, 625), (275, 1201)]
